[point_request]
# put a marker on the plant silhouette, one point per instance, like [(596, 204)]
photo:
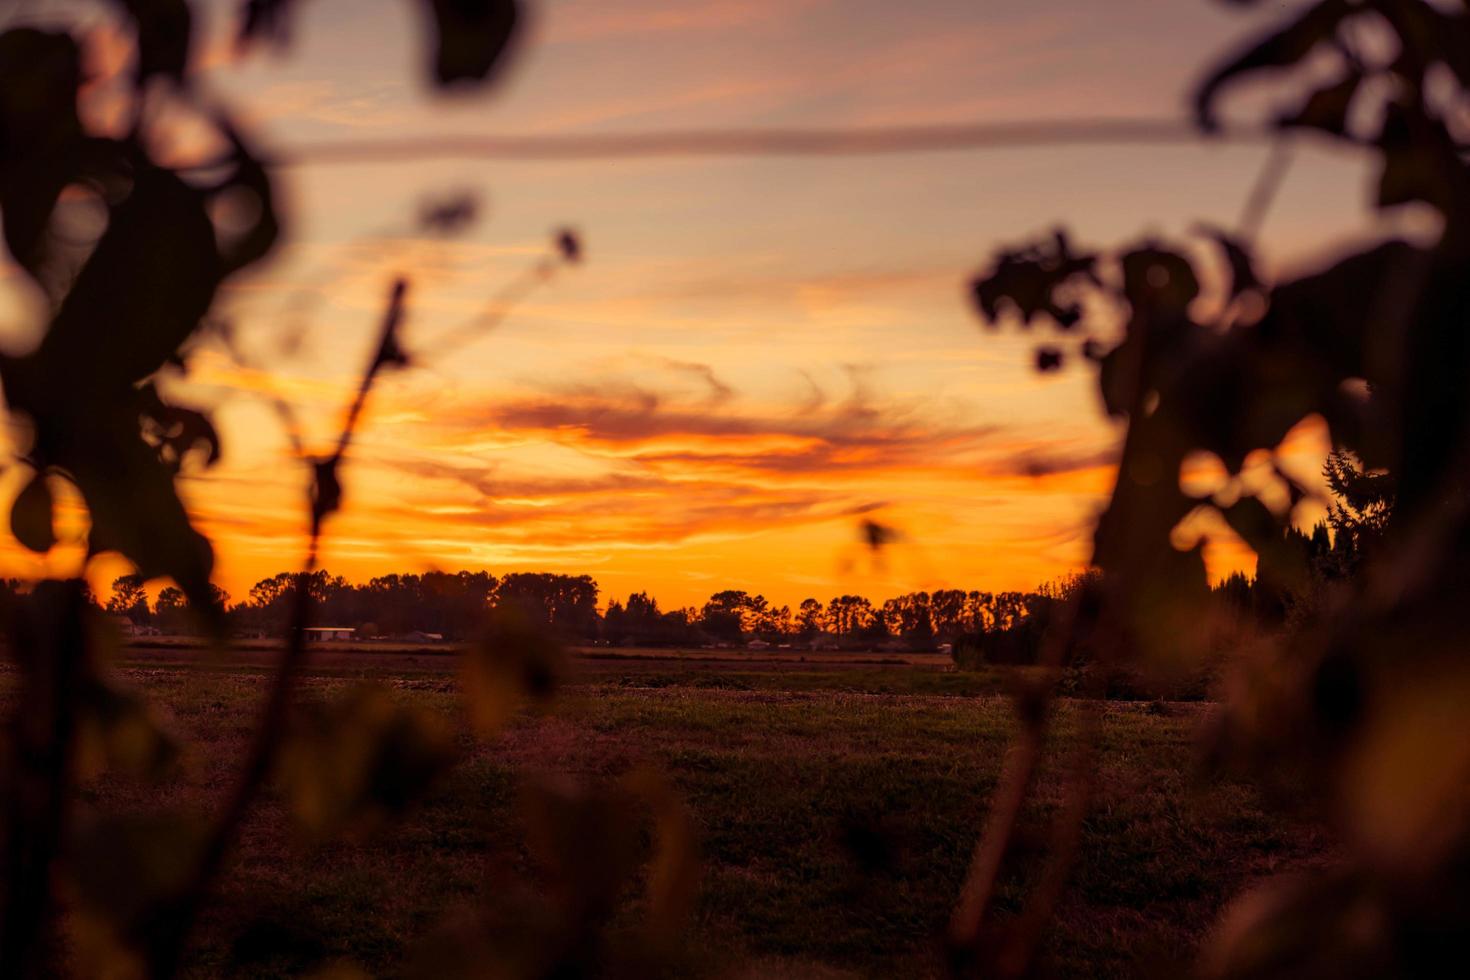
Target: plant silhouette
[(1340, 706), (126, 300), (1349, 709)]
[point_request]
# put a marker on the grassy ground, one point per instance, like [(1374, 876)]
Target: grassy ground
[(837, 809)]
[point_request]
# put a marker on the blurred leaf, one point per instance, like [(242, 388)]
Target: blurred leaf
[(30, 515), (326, 489), (569, 245), (124, 866), (1242, 269), (363, 760), (250, 197), (450, 215), (513, 661), (1158, 282), (1283, 48), (1029, 281), (877, 535), (1313, 927), (1327, 108), (588, 843), (136, 510), (591, 844), (1420, 163), (1259, 528), (99, 951), (117, 729), (673, 872), (141, 293), (40, 133), (164, 29), (471, 36), (1405, 786), (266, 20), (341, 970), (176, 430)]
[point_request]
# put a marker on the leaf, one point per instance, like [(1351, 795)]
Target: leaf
[(450, 215), (673, 870), (1298, 926), (471, 37), (116, 729), (1420, 163), (326, 489), (588, 843), (176, 431), (249, 194), (569, 245), (1329, 318), (123, 866), (30, 516), (164, 31), (40, 133), (264, 20), (1279, 561), (513, 661), (363, 760), (1327, 108), (137, 512), (1242, 270), (1028, 283), (1158, 282), (1404, 787), (1285, 47), (140, 294)]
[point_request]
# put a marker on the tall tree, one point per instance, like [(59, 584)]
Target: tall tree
[(128, 598)]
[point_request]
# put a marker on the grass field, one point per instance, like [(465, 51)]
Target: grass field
[(783, 765)]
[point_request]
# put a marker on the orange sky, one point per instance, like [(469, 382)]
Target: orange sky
[(756, 350)]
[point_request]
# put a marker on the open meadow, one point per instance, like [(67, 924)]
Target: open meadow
[(837, 803)]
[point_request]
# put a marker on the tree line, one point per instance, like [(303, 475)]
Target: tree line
[(455, 605), (977, 626)]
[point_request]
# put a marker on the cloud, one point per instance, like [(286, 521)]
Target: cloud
[(637, 420), (719, 391), (639, 461)]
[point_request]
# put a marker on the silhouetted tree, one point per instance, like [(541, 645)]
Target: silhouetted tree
[(129, 599)]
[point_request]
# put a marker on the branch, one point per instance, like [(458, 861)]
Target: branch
[(178, 916)]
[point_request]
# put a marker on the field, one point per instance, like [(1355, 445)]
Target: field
[(837, 803)]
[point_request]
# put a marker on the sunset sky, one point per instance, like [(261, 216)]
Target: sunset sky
[(755, 350)]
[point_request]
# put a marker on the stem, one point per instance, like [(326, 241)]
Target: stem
[(176, 918), (49, 641)]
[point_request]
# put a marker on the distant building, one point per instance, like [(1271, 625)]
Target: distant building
[(125, 626), (330, 632), (419, 636), (757, 645)]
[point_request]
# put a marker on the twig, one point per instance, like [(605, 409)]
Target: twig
[(501, 305), (178, 916), (49, 642), (1005, 811), (1025, 936), (1263, 191)]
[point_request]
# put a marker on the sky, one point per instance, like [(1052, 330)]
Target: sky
[(756, 352)]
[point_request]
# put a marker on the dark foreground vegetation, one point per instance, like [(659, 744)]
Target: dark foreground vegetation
[(834, 823), (838, 830)]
